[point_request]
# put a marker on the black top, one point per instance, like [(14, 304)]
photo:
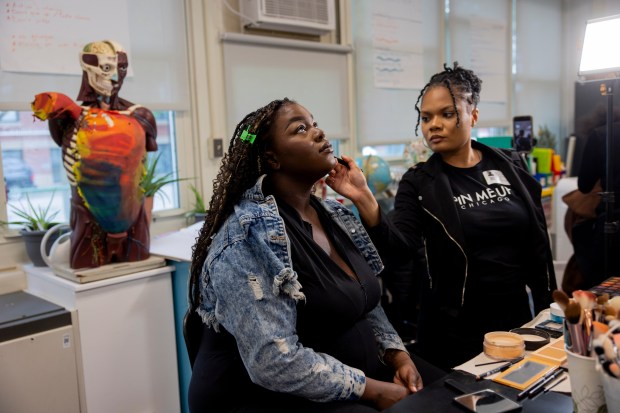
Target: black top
[(332, 318), (496, 227), (489, 208), (453, 313)]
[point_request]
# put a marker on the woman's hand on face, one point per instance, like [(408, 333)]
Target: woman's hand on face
[(351, 183), (348, 181), (383, 394)]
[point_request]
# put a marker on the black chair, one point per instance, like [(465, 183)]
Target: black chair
[(192, 333)]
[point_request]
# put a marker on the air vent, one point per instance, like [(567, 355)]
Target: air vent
[(315, 17)]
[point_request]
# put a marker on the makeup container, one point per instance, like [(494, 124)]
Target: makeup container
[(555, 313), (502, 345)]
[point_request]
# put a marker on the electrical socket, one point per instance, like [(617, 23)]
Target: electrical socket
[(218, 147)]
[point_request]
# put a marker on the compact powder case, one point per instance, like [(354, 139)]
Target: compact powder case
[(503, 345)]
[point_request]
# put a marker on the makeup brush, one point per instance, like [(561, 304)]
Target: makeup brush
[(573, 316), (601, 303), (561, 298), (599, 328), (605, 354), (586, 299), (614, 302)]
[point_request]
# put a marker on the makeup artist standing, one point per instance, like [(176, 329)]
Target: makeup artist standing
[(474, 223)]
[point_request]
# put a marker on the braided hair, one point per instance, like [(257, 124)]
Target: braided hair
[(241, 166), (461, 83)]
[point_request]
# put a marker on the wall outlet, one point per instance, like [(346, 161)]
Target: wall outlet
[(218, 147)]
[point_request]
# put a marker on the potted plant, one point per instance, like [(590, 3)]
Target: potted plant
[(35, 221), (199, 210), (151, 183)]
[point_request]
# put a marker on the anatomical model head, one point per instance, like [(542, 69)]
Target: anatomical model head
[(105, 66)]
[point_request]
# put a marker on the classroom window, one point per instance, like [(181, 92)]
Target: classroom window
[(32, 164)]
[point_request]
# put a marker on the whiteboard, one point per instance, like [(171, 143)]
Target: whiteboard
[(259, 71), (406, 33), (44, 37), (157, 50), (480, 40)]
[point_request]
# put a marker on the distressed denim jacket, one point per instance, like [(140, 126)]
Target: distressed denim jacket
[(248, 286)]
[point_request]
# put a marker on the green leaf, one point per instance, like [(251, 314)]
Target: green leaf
[(34, 218), (199, 204), (151, 183)]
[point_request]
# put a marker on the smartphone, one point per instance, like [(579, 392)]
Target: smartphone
[(523, 130), (487, 401)]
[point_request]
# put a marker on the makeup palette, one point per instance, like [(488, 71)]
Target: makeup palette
[(610, 286)]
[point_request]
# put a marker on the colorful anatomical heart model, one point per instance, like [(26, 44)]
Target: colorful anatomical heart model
[(104, 143)]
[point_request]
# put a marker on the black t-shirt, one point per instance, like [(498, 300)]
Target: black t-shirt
[(332, 319), (496, 226)]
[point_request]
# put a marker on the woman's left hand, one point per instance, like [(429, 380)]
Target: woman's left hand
[(405, 371)]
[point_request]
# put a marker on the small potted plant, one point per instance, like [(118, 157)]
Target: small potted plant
[(151, 183), (35, 221), (199, 211)]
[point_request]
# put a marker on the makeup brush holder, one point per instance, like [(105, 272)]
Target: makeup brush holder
[(585, 383), (611, 385)]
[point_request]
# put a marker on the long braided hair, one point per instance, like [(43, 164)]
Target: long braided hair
[(461, 83), (241, 166)]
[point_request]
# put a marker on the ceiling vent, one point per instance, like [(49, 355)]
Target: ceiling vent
[(316, 17)]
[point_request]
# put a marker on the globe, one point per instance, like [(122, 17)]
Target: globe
[(377, 172)]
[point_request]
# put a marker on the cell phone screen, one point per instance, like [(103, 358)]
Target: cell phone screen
[(487, 401), (523, 133)]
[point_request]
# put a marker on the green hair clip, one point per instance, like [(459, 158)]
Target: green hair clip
[(247, 136)]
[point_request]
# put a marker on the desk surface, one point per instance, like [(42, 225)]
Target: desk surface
[(437, 398)]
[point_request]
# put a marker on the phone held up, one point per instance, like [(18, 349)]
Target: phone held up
[(523, 129), (487, 401)]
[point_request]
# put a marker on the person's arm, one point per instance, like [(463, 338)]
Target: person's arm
[(259, 309), (592, 162), (393, 352), (383, 394)]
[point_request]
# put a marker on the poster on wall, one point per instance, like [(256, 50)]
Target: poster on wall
[(397, 48), (55, 31)]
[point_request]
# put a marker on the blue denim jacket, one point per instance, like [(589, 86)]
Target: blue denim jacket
[(248, 286)]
